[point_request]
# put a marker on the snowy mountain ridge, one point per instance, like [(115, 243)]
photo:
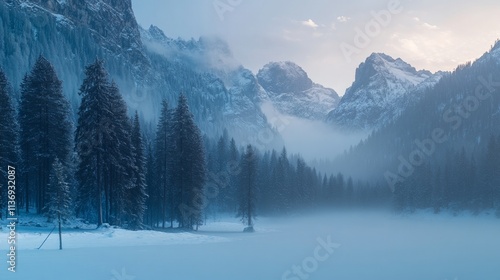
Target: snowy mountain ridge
[(382, 89), (238, 91), (292, 92), (148, 66), (72, 34), (285, 84)]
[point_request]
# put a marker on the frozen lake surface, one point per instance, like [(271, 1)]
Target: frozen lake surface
[(338, 245)]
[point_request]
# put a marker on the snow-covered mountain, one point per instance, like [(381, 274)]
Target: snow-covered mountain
[(464, 105), (383, 88), (147, 65), (233, 87), (292, 92)]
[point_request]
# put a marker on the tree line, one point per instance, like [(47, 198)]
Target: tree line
[(105, 168), (458, 173), (94, 168), (458, 182)]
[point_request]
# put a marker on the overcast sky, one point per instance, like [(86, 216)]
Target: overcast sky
[(319, 35)]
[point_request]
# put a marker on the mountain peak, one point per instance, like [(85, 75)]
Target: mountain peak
[(284, 76), (156, 33), (378, 57), (292, 92), (382, 88), (380, 66)]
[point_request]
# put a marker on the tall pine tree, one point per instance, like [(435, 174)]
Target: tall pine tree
[(107, 170), (8, 137), (187, 166), (119, 163), (46, 128), (247, 188), (162, 198), (93, 127), (136, 196)]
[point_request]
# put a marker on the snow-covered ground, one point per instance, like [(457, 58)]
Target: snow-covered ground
[(339, 245)]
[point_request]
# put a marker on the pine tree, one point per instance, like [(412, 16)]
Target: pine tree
[(93, 126), (221, 159), (26, 155), (8, 137), (187, 167), (119, 161), (247, 188), (303, 190), (137, 194), (233, 169), (46, 127), (490, 174), (221, 154), (106, 166), (263, 179), (282, 172), (164, 189), (349, 190), (152, 208), (103, 144), (58, 204)]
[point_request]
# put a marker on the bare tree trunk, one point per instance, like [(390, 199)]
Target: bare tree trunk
[(164, 204), (99, 190), (60, 234), (26, 186)]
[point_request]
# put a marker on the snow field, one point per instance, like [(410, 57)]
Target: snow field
[(371, 246)]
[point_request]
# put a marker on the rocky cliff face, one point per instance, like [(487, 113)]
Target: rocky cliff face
[(112, 22), (383, 88), (292, 92), (147, 65)]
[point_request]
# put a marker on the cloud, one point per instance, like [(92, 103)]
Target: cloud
[(343, 18), (425, 24), (310, 23), (429, 26), (298, 135)]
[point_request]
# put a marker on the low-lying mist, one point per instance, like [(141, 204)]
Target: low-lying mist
[(313, 139)]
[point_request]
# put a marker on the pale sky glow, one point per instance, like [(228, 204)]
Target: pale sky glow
[(432, 35)]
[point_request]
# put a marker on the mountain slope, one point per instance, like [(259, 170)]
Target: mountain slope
[(292, 92), (225, 82), (461, 111), (146, 65), (383, 88)]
